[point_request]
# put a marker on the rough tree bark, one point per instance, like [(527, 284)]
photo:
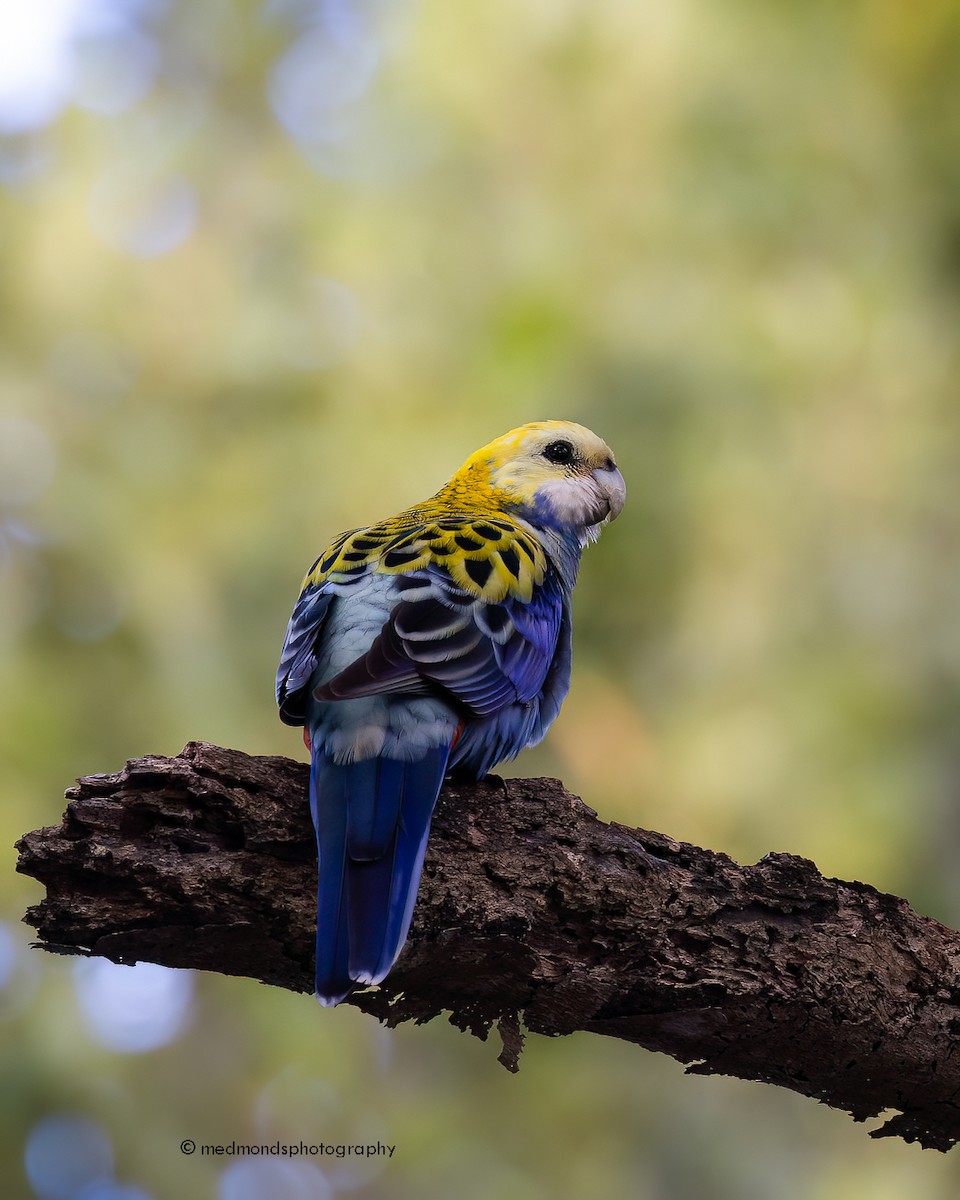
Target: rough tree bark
[(532, 913)]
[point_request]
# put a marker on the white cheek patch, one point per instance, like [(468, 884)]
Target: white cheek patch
[(575, 502)]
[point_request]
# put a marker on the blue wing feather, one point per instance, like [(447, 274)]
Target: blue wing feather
[(503, 734), (298, 659), (484, 656)]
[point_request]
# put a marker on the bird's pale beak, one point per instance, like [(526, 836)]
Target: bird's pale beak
[(612, 486)]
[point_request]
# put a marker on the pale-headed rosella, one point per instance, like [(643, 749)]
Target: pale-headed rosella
[(437, 640)]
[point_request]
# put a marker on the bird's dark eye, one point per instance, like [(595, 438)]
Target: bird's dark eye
[(559, 452)]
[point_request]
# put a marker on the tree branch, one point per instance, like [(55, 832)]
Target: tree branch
[(531, 910)]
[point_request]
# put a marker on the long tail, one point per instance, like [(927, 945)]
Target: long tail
[(372, 820)]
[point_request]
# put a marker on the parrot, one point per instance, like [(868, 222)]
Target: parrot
[(436, 641)]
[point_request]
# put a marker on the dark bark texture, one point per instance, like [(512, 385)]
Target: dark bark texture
[(533, 915)]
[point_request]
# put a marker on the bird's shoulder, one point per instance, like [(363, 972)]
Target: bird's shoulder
[(491, 556)]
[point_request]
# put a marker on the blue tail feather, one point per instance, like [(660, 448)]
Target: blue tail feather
[(328, 807), (420, 796), (377, 784), (372, 820)]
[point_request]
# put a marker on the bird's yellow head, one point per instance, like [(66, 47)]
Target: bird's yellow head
[(554, 473)]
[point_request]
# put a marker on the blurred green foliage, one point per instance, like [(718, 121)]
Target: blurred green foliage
[(725, 236)]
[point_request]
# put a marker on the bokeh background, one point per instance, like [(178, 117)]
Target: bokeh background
[(271, 270)]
